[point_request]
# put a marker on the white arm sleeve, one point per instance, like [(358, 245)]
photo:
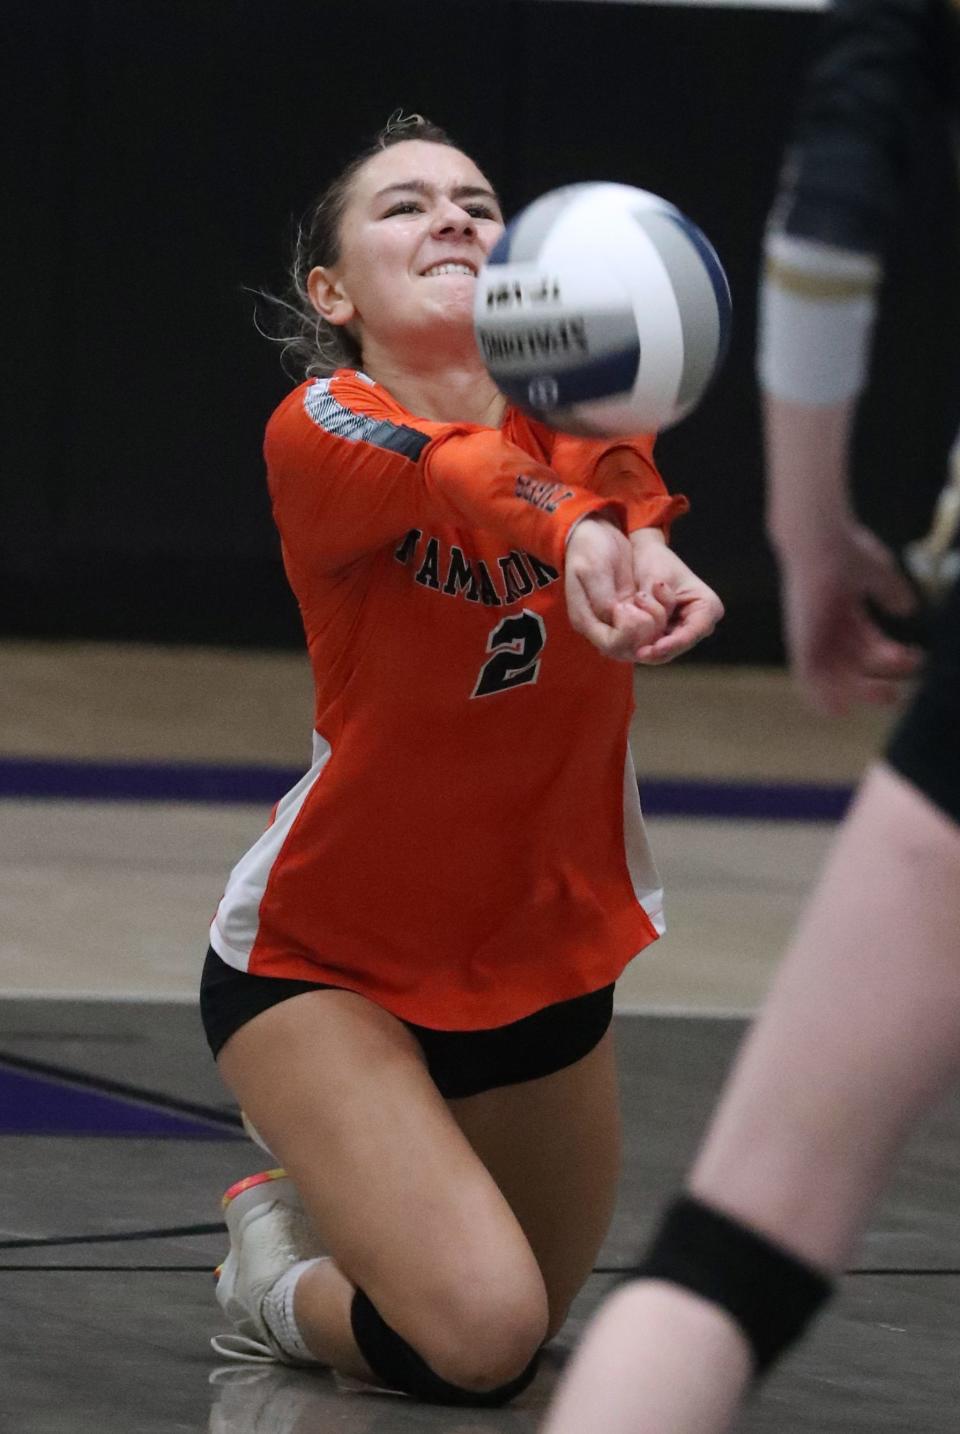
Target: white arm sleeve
[(815, 322)]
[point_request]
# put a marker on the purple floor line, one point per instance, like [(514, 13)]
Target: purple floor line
[(37, 1105), (25, 778)]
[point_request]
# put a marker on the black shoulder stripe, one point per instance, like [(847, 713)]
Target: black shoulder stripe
[(328, 413), (398, 438)]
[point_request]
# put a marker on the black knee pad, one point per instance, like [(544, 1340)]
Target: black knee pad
[(399, 1366), (771, 1294)]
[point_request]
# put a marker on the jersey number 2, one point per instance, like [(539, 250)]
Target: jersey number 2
[(516, 644)]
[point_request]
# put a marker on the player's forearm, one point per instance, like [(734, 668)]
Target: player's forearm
[(487, 481), (629, 475), (807, 453), (622, 469)]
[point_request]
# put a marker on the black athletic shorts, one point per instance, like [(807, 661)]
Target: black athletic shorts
[(925, 745), (460, 1062)]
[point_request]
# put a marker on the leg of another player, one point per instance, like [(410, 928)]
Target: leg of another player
[(553, 1147), (654, 1360), (860, 1034), (339, 1090)]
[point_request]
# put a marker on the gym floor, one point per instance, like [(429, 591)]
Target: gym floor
[(131, 778)]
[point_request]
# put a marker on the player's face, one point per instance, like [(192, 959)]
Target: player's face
[(419, 223)]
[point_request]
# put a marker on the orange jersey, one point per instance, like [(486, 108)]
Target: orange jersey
[(467, 846)]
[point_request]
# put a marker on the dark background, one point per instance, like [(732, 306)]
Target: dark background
[(158, 153)]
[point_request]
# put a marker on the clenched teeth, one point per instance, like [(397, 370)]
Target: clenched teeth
[(448, 269)]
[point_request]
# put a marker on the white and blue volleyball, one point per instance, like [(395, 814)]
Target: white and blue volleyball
[(603, 310)]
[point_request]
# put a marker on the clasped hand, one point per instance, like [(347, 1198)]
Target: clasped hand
[(632, 597)]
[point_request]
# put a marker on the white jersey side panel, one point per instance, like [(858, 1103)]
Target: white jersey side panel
[(234, 928), (647, 886)]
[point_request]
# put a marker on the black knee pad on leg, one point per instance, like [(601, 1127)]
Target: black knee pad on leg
[(399, 1365), (771, 1294)]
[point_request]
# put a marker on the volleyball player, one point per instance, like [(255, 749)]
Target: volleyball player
[(410, 981), (886, 67), (861, 1031)]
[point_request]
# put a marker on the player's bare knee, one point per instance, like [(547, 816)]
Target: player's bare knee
[(484, 1341)]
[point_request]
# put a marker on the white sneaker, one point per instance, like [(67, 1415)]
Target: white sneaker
[(269, 1232)]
